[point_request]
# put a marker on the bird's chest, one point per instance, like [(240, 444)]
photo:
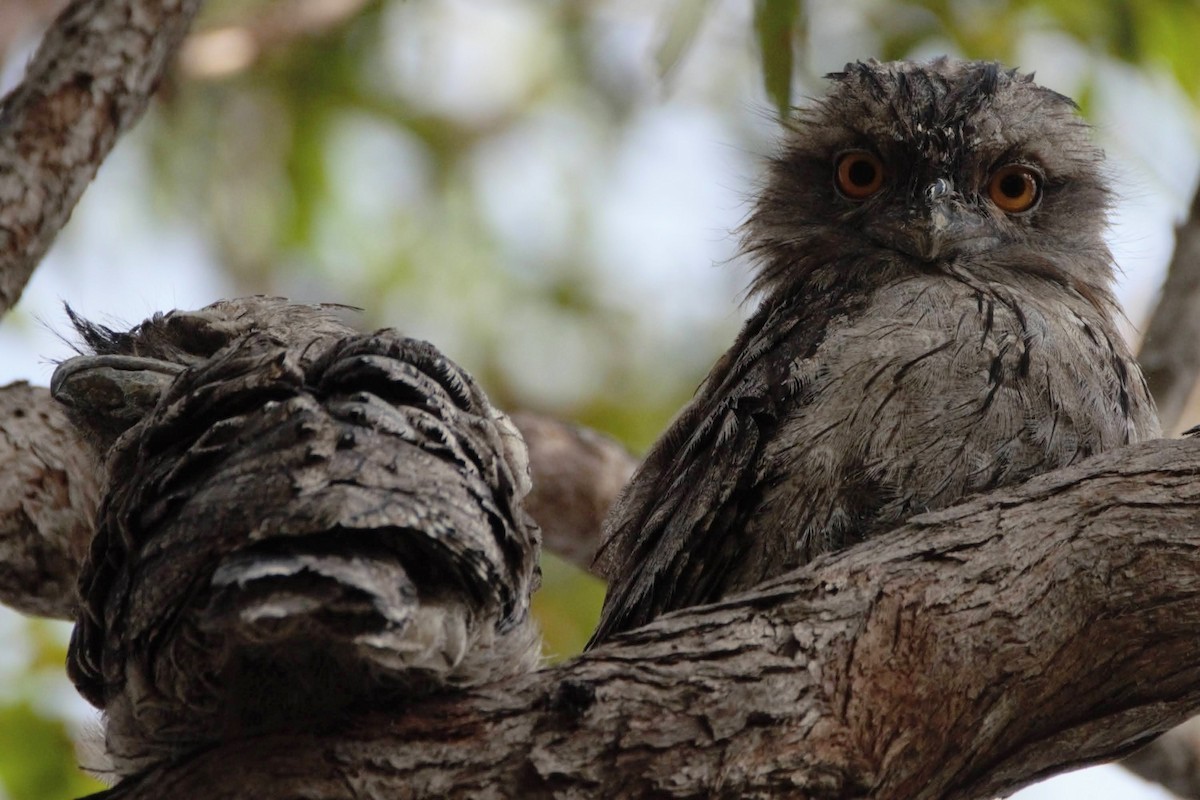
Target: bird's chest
[(936, 390)]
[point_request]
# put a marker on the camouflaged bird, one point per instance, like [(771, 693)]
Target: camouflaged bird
[(936, 319), (298, 519)]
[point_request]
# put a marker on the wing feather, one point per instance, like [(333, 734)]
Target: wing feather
[(673, 535)]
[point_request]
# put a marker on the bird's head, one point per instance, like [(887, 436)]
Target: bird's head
[(934, 166), (120, 375)]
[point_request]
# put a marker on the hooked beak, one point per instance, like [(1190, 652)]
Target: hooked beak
[(110, 393), (936, 227)]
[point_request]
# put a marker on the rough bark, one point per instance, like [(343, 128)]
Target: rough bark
[(90, 80), (48, 493), (307, 520), (577, 474), (1170, 356), (972, 651), (1170, 359)]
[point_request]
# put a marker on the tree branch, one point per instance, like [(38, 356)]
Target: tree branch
[(90, 81), (1170, 359), (1170, 353), (972, 651), (577, 474), (48, 495)]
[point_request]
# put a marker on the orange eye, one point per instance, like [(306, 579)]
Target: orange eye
[(859, 174), (1015, 188)]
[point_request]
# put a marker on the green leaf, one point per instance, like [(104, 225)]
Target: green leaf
[(778, 25), (681, 33), (1167, 32), (37, 759)]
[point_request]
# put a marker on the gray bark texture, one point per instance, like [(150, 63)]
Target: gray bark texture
[(1169, 356), (48, 494), (50, 483), (971, 652), (88, 83), (577, 475), (296, 518), (1170, 359), (90, 80)]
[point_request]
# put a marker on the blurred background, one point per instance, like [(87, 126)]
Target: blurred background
[(549, 190)]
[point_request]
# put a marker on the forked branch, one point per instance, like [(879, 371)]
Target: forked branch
[(973, 651)]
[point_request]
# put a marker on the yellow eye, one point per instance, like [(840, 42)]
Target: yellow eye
[(859, 174), (1015, 188)]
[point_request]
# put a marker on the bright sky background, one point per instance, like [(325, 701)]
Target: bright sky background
[(668, 198)]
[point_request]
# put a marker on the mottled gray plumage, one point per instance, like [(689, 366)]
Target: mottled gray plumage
[(911, 347), (299, 520)]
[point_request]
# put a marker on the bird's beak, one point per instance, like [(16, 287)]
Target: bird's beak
[(936, 226), (112, 392)]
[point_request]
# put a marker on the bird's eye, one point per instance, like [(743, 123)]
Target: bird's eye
[(859, 174), (1015, 188)]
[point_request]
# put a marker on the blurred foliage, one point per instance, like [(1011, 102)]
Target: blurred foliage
[(778, 25), (567, 607), (37, 757), (1148, 33), (370, 159), (259, 160)]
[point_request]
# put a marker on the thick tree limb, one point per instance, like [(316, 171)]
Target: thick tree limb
[(1170, 353), (971, 652), (296, 519), (577, 474), (48, 495), (90, 80), (1170, 359)]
